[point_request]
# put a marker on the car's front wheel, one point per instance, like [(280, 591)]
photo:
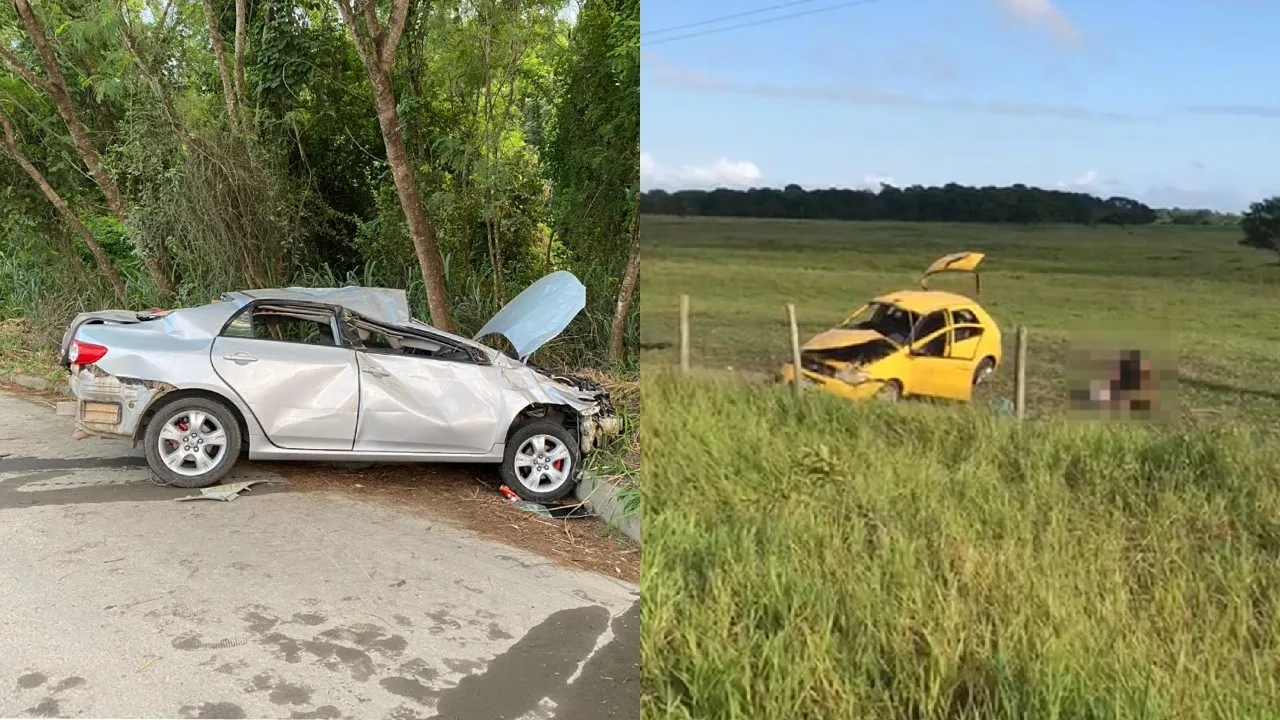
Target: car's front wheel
[(889, 392), (192, 442), (541, 462)]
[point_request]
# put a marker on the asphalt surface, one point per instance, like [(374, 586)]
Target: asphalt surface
[(117, 601)]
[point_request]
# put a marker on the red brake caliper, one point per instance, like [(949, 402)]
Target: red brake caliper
[(182, 425)]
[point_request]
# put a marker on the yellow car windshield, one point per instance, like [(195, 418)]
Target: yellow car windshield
[(891, 321)]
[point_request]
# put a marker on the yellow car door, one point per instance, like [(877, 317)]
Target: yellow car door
[(934, 371), (966, 335)]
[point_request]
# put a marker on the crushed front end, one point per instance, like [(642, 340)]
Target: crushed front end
[(598, 421), (855, 372)]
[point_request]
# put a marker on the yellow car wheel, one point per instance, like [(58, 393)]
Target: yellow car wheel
[(890, 391), (983, 372)]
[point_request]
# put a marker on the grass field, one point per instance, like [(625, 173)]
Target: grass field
[(1206, 294), (861, 561), (839, 560)]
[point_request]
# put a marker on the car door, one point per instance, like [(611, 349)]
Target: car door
[(413, 402), (966, 335), (934, 373), (287, 362)]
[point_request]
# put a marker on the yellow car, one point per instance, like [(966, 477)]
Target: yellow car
[(922, 343)]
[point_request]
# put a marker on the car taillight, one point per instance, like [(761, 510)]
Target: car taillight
[(83, 353)]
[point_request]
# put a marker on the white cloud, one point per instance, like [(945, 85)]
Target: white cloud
[(720, 173), (1087, 179), (1042, 15), (877, 182), (1091, 182)]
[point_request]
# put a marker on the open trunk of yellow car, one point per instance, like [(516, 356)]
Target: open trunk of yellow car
[(956, 262)]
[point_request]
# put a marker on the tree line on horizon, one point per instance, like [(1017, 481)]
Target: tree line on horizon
[(1018, 204)]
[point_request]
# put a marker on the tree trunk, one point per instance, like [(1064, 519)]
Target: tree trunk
[(56, 85), (224, 72), (99, 254), (377, 48), (242, 20), (626, 294), (420, 228)]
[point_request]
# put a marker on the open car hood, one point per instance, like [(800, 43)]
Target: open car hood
[(843, 337), (538, 314)]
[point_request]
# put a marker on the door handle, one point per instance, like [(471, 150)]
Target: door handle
[(377, 372), (240, 358)]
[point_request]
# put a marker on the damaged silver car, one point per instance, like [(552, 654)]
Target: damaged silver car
[(338, 374)]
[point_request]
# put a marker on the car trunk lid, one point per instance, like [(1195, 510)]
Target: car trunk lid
[(114, 317), (967, 261)]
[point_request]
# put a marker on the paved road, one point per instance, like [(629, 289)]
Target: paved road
[(116, 601)]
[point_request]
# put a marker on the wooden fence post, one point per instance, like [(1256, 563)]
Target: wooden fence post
[(684, 333), (795, 349), (1020, 375)]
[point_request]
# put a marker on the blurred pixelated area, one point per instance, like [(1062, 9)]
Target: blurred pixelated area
[(1123, 374)]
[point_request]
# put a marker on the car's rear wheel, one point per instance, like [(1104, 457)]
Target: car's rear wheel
[(890, 392), (983, 372), (541, 462), (192, 442)]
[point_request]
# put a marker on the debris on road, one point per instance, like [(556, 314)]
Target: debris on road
[(223, 492), (555, 512)]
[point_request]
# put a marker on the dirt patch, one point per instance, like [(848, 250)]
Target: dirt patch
[(468, 497), (41, 396)]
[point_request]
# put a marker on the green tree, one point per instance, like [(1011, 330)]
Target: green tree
[(593, 155), (1261, 224)]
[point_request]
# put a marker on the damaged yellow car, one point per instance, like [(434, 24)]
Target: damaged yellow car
[(911, 343)]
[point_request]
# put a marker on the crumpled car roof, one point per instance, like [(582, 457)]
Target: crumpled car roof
[(385, 305), (535, 316)]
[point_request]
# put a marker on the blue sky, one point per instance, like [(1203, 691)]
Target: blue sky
[(1173, 102)]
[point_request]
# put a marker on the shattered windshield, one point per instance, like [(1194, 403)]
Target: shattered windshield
[(890, 321)]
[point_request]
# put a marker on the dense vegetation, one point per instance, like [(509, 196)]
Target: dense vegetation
[(840, 560), (951, 203), (158, 153)]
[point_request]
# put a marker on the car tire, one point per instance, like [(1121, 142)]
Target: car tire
[(534, 462), (186, 471), (889, 392), (984, 370)]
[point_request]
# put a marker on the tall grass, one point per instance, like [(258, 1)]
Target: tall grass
[(833, 560)]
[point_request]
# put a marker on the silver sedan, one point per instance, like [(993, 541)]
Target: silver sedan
[(338, 374)]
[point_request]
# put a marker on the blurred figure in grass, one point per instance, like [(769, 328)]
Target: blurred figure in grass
[(1124, 383)]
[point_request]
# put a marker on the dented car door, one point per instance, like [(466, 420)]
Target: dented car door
[(934, 372), (289, 365), (410, 403)]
